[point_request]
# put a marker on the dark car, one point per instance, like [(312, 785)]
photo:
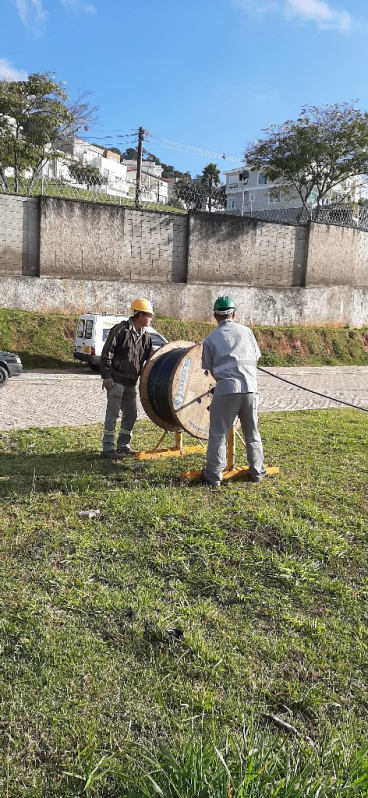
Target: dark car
[(10, 366)]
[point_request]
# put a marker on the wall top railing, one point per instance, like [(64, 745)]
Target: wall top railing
[(341, 215)]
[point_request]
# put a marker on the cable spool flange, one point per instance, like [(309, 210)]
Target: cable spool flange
[(175, 391)]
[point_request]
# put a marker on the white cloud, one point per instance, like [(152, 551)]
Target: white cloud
[(89, 8), (31, 12), (9, 72), (22, 7), (320, 12)]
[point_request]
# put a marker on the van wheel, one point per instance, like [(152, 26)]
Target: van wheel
[(4, 376), (94, 366)]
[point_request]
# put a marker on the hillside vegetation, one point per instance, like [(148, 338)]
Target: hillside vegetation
[(47, 340)]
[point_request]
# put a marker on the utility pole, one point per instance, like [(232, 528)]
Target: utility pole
[(139, 167)]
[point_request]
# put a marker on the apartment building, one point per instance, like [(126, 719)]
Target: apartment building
[(119, 176), (249, 190), (154, 187)]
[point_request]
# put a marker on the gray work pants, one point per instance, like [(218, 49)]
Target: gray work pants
[(119, 398), (223, 412)]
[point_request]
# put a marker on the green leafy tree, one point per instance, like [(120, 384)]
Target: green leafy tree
[(210, 178), (130, 154), (86, 174), (149, 156), (201, 193), (219, 197), (190, 192), (316, 153), (36, 119), (170, 171)]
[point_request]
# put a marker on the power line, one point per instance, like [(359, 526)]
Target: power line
[(175, 145), (116, 138), (170, 145)]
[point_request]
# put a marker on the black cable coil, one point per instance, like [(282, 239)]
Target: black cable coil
[(158, 384)]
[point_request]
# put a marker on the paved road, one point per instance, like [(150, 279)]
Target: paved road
[(51, 399)]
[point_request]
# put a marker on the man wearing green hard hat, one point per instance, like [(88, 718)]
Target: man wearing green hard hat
[(231, 354)]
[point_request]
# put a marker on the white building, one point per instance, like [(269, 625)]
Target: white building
[(154, 187), (119, 176), (107, 163), (248, 191)]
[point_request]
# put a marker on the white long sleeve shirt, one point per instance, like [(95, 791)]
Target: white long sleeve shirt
[(231, 353)]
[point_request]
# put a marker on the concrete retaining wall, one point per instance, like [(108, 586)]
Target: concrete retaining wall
[(60, 238), (337, 256), (243, 250), (19, 235), (108, 242), (269, 306)]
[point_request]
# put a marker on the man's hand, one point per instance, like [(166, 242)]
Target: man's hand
[(107, 384)]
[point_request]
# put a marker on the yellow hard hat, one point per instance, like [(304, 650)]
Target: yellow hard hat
[(142, 305)]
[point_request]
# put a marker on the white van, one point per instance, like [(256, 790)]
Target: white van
[(92, 332)]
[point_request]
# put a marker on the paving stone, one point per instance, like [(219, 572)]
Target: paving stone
[(44, 398)]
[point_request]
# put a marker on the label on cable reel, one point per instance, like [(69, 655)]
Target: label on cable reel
[(190, 393)]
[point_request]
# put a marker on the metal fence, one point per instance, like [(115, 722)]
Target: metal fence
[(344, 215), (341, 215), (93, 192), (193, 198)]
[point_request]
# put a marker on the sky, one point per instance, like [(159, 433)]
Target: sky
[(203, 77)]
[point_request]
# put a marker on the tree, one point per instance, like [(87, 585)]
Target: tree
[(202, 192), (316, 153), (148, 156), (130, 154), (86, 174), (170, 171), (36, 119), (210, 178), (190, 192)]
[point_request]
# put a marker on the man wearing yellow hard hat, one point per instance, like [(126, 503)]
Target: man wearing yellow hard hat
[(127, 348)]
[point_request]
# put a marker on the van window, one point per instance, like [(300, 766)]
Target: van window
[(88, 328), (80, 328), (105, 333), (156, 339)]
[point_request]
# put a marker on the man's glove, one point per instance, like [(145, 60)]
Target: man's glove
[(107, 384)]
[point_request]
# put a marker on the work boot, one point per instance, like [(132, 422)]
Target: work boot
[(205, 481), (126, 449), (111, 455)]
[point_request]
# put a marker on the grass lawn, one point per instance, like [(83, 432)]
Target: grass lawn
[(57, 188), (267, 582)]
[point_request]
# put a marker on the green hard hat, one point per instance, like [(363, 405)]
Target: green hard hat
[(224, 304)]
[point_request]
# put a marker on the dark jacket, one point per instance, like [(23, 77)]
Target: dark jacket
[(123, 356)]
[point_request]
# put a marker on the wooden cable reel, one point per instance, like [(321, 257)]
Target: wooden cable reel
[(175, 391), (176, 395)]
